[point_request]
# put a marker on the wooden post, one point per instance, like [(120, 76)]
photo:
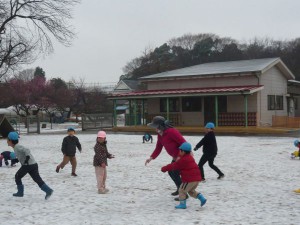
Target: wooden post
[(216, 110), (246, 110), (115, 113), (168, 109)]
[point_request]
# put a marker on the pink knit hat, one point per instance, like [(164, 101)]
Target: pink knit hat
[(101, 134)]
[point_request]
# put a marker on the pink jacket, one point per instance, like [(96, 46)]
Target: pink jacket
[(171, 140)]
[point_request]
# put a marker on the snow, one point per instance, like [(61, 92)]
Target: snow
[(257, 189)]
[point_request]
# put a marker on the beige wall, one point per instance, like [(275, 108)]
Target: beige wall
[(204, 82), (192, 119), (274, 84), (236, 103)]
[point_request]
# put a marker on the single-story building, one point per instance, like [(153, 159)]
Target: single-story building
[(234, 93)]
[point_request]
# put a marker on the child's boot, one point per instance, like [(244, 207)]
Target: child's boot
[(48, 190), (202, 199), (20, 192), (182, 205)]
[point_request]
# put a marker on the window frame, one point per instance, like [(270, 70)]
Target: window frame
[(275, 102)]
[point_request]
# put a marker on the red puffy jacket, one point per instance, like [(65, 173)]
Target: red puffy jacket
[(189, 170), (171, 140)]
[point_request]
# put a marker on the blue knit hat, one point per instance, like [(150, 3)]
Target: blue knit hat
[(210, 125), (13, 136), (187, 147), (296, 143), (71, 129)]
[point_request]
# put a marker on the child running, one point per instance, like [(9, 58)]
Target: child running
[(210, 150), (29, 165), (100, 161), (68, 148), (190, 175)]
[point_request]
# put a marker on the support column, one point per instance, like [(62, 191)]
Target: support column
[(115, 113), (216, 110), (130, 114), (135, 112), (143, 111), (246, 110), (168, 109)]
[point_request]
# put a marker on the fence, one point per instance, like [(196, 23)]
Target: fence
[(286, 121), (33, 124), (96, 121)]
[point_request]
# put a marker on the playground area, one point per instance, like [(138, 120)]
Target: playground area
[(257, 189)]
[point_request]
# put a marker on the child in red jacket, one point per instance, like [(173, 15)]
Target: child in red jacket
[(190, 175)]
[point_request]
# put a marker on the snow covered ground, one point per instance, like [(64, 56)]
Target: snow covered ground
[(257, 188)]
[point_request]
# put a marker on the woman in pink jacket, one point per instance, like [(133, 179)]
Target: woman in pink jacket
[(171, 139)]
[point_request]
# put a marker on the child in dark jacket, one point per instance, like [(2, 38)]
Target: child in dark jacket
[(7, 155), (68, 148), (29, 165), (100, 161), (210, 150), (190, 175), (147, 137)]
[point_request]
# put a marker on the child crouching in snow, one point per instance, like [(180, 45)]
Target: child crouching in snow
[(29, 165), (296, 153), (100, 161), (7, 155), (190, 175)]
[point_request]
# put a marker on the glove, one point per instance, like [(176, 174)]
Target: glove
[(195, 149), (163, 170), (26, 160)]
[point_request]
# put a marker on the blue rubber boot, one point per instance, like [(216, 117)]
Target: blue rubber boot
[(20, 192), (48, 190), (182, 205), (202, 199)]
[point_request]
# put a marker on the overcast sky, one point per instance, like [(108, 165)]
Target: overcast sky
[(112, 32)]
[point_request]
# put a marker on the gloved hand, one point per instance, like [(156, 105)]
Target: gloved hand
[(195, 149), (163, 169), (26, 160)]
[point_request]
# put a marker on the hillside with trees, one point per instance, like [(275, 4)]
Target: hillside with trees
[(189, 50)]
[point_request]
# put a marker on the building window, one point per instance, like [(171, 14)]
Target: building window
[(173, 105), (275, 102), (191, 104)]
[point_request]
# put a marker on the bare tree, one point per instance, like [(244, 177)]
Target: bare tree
[(27, 28), (26, 75)]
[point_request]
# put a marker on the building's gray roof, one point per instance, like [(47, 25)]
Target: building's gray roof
[(132, 84), (231, 67)]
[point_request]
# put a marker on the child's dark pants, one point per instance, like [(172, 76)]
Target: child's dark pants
[(210, 160), (175, 176), (33, 171)]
